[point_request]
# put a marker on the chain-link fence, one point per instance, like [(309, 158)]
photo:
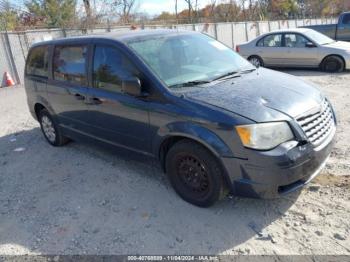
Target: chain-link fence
[(14, 46)]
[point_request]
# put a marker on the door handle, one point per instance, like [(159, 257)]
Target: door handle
[(96, 101), (79, 97)]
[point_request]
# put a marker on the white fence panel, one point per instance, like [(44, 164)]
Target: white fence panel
[(263, 27), (292, 24), (274, 25), (5, 60), (224, 34), (74, 32), (239, 33), (300, 22), (252, 30), (283, 24)]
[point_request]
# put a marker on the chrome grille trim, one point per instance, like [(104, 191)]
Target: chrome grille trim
[(318, 126)]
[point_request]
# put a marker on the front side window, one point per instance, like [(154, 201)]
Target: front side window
[(295, 40), (69, 64), (183, 58), (110, 67), (37, 64)]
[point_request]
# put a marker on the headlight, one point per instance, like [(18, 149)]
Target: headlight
[(264, 136)]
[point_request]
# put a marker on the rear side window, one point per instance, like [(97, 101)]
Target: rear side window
[(271, 41), (346, 19), (37, 63), (110, 67), (69, 64)]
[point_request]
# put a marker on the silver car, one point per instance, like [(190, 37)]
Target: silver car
[(299, 47)]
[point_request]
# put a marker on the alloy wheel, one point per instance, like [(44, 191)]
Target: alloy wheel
[(48, 129)]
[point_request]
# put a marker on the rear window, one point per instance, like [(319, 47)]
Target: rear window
[(271, 41), (37, 63), (69, 64)]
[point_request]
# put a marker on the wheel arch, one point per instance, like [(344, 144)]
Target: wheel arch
[(37, 108), (172, 133), (170, 141), (257, 56), (337, 55)]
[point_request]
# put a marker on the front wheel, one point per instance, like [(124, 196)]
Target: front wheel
[(195, 174), (50, 129), (333, 64)]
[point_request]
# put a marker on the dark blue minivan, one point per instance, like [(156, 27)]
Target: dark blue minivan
[(216, 123)]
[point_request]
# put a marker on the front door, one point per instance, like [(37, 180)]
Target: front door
[(297, 54), (117, 117)]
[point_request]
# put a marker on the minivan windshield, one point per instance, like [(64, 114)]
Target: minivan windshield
[(319, 38), (180, 59)]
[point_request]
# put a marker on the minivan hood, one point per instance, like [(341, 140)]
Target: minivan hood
[(262, 95)]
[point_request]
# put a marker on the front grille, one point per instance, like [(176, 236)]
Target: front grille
[(318, 126)]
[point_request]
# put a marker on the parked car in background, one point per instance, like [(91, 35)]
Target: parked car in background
[(339, 31), (216, 123), (300, 47)]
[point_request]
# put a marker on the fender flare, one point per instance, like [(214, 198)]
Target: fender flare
[(195, 132)]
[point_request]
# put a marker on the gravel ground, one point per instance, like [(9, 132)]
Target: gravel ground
[(82, 199)]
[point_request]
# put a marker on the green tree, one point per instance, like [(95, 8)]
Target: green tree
[(8, 17), (56, 13)]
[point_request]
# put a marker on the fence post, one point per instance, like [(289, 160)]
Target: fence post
[(233, 37), (108, 26), (279, 24), (257, 28), (216, 31), (11, 57), (269, 25), (246, 31)]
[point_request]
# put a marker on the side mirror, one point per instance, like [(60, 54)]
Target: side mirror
[(132, 86), (310, 45)]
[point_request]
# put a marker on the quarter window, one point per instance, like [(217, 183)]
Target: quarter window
[(110, 67), (295, 40), (37, 64), (271, 41), (346, 19), (69, 64)]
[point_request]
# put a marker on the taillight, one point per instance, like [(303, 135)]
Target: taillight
[(237, 48)]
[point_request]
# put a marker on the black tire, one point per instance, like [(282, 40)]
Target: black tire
[(256, 61), (333, 64), (44, 119), (195, 174)]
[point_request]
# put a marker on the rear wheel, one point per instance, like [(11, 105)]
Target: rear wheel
[(50, 129), (256, 61), (333, 64), (195, 173)]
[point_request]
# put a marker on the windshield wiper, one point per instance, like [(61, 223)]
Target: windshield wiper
[(248, 70), (190, 83), (233, 74)]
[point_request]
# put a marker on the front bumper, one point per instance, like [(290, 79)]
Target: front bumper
[(282, 170)]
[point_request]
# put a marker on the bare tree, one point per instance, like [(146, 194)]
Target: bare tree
[(176, 14), (190, 8), (124, 9), (87, 7)]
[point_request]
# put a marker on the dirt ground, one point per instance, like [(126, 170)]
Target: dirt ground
[(82, 199)]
